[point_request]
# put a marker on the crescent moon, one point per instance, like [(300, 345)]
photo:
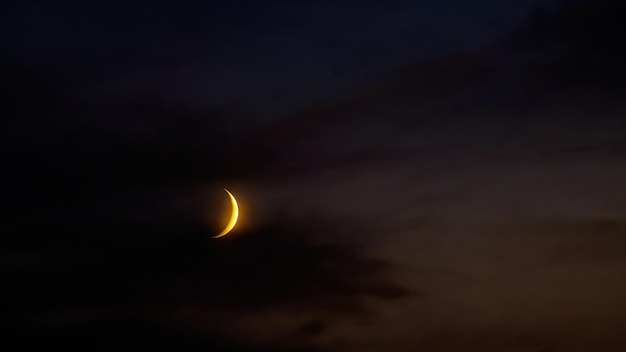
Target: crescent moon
[(233, 217)]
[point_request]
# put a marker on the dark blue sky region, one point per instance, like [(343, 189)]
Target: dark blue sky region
[(246, 54)]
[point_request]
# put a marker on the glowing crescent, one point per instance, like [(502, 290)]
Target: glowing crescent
[(233, 218)]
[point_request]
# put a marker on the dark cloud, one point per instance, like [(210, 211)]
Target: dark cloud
[(121, 333), (82, 265), (76, 247), (273, 266), (162, 272)]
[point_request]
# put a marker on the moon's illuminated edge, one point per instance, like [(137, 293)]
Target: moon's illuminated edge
[(233, 217)]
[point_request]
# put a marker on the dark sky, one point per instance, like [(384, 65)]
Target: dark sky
[(412, 176), (253, 55)]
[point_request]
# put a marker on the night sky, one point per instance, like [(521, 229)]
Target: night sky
[(412, 175)]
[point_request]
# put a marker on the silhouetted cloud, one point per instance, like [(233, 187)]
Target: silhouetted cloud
[(275, 268), (122, 333), (82, 267)]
